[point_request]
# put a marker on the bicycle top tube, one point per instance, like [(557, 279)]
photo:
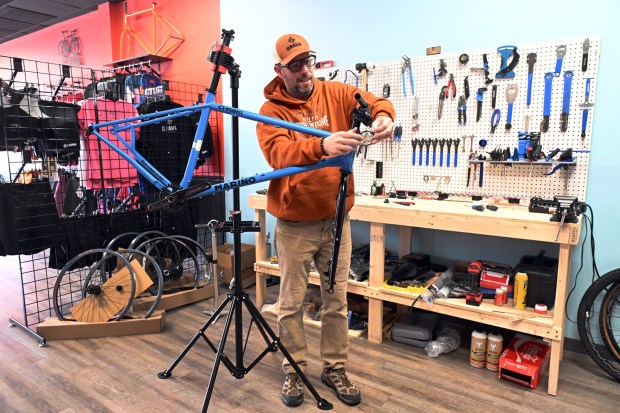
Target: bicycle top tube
[(150, 172)]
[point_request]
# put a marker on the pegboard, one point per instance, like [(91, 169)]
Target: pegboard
[(520, 179)]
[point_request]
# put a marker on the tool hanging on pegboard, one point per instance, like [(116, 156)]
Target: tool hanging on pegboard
[(434, 111)]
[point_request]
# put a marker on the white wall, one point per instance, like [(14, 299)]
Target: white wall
[(358, 31)]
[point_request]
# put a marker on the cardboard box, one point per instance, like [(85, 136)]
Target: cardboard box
[(225, 258), (54, 329), (523, 361), (248, 277), (492, 280), (178, 299)]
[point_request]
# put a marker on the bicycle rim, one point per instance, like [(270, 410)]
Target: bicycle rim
[(598, 322)]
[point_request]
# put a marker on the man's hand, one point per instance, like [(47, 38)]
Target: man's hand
[(341, 143), (382, 128)]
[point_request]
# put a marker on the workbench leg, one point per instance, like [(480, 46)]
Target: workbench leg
[(375, 322), (261, 252), (261, 289), (377, 274), (554, 366)]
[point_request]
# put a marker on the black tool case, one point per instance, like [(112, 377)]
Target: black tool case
[(542, 276), (415, 329)]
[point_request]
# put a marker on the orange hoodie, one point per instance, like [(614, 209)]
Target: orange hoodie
[(310, 195)]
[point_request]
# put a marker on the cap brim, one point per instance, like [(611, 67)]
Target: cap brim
[(292, 57)]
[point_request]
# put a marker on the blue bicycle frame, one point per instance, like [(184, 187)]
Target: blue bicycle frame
[(150, 173), (178, 193)]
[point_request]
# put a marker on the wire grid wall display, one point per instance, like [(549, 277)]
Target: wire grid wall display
[(63, 192), (426, 125)]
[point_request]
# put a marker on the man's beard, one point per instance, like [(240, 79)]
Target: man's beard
[(300, 91)]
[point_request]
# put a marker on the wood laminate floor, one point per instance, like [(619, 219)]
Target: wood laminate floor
[(119, 374)]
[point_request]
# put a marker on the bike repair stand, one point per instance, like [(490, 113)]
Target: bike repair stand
[(237, 298)]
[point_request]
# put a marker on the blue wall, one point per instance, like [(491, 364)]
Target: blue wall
[(354, 31)]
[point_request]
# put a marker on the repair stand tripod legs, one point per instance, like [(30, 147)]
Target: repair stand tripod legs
[(235, 303), (214, 272)]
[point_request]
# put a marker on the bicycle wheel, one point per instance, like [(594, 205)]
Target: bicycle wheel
[(203, 271), (598, 322), (93, 293), (179, 264), (145, 300), (610, 319), (75, 46), (64, 48)]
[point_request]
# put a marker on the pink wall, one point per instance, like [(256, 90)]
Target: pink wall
[(100, 35)]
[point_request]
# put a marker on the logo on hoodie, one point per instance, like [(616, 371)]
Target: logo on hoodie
[(314, 120)]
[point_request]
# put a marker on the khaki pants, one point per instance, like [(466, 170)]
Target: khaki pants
[(298, 243)]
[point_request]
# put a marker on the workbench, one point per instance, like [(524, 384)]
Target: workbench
[(508, 222)]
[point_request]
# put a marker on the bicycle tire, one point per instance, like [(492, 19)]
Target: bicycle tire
[(75, 46), (610, 319), (176, 260), (591, 325), (74, 285), (144, 305), (204, 262), (64, 48)]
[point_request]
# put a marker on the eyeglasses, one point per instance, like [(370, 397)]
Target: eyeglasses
[(295, 66)]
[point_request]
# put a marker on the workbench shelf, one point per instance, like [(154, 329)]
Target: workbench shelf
[(514, 223)]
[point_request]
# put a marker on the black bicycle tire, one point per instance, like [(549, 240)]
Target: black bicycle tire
[(180, 243), (606, 318), (59, 284), (204, 254), (64, 48), (77, 44), (587, 311)]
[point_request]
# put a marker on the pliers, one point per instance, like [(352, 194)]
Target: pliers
[(495, 119), (462, 108), (407, 66), (451, 91)]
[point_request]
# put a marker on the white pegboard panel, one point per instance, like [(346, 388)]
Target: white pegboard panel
[(520, 180)]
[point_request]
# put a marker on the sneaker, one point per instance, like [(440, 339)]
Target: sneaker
[(337, 379), (293, 390)]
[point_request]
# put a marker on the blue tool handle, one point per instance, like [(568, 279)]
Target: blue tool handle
[(558, 66), (568, 80), (434, 157), (509, 115), (420, 158), (481, 174), (587, 89), (440, 158), (548, 86), (411, 79), (529, 89), (413, 158), (427, 153), (456, 159), (584, 122), (404, 90), (448, 160)]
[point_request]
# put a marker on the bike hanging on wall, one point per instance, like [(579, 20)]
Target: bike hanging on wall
[(175, 195)]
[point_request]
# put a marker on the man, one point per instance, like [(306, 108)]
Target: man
[(305, 205)]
